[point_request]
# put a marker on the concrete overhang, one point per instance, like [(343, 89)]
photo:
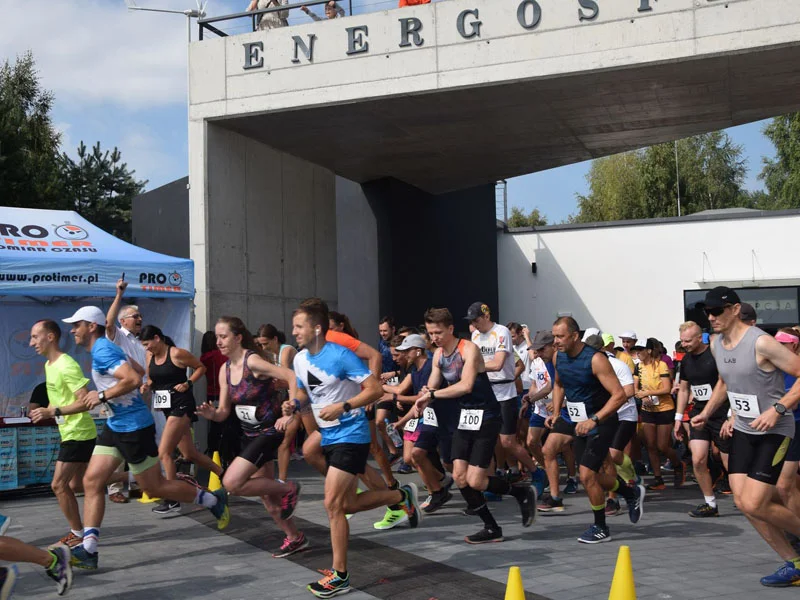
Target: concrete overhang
[(454, 112)]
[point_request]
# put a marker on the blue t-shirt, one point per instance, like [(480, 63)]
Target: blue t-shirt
[(130, 411), (334, 374), (788, 382)]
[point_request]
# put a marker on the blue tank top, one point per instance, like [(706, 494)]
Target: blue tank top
[(580, 383)]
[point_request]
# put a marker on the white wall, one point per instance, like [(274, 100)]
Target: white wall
[(633, 277)]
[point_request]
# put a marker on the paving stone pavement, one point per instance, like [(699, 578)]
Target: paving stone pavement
[(180, 557)]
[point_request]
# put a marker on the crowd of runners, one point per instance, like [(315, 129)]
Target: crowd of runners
[(501, 411)]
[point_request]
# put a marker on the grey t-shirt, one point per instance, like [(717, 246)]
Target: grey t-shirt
[(751, 390)]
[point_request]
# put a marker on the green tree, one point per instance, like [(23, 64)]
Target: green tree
[(29, 166), (781, 175), (616, 190), (520, 219), (100, 187)]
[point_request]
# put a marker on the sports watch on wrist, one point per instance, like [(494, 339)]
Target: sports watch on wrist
[(780, 408), (346, 407), (101, 396), (595, 418), (57, 412)]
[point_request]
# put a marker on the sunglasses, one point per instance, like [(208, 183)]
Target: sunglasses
[(717, 311), (133, 316)]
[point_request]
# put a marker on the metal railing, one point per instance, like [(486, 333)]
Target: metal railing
[(247, 22)]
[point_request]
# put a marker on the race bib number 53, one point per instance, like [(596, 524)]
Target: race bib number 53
[(470, 419), (745, 405)]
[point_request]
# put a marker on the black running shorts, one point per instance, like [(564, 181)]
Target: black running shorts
[(435, 439), (793, 454), (351, 458), (476, 447), (183, 406), (137, 448), (260, 449), (591, 450), (625, 432), (759, 456), (563, 427), (76, 451), (509, 413), (666, 417), (711, 431)]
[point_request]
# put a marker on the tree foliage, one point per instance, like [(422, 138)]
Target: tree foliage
[(781, 175), (519, 219), (34, 173), (644, 184)]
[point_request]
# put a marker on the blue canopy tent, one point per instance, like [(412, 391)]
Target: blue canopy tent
[(51, 263)]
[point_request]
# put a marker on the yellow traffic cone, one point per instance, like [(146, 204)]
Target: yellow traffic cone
[(214, 483), (145, 499), (514, 589), (623, 586)]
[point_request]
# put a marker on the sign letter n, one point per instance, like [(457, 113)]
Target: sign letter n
[(306, 49)]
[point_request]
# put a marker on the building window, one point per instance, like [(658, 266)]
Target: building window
[(776, 307)]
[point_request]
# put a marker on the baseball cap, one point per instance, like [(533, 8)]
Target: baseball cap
[(543, 338), (719, 297), (642, 344), (412, 341), (90, 314), (589, 332), (607, 339), (630, 335), (594, 341), (475, 310), (651, 344), (747, 312)]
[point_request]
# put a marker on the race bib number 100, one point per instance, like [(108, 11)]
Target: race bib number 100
[(470, 419)]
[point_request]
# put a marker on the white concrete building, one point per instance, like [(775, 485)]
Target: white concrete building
[(646, 275)]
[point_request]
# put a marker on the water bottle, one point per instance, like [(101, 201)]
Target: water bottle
[(397, 440)]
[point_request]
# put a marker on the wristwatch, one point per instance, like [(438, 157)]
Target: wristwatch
[(595, 418), (57, 412), (101, 396), (780, 408), (346, 407), (190, 383), (433, 396), (394, 397)]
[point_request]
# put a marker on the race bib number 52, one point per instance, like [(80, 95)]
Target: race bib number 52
[(577, 411)]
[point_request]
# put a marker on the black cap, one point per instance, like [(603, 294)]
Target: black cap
[(651, 344), (720, 297), (747, 312), (475, 310)]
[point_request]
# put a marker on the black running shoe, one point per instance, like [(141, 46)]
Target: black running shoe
[(485, 536), (636, 504), (549, 504), (469, 512), (437, 501), (527, 506), (166, 507), (703, 511), (289, 501)]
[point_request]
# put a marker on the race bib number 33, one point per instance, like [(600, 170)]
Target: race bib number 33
[(470, 419)]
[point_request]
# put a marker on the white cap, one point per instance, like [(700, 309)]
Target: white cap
[(589, 332), (90, 314), (628, 334), (412, 341)]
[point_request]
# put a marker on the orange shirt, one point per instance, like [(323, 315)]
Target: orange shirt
[(412, 2), (337, 337)]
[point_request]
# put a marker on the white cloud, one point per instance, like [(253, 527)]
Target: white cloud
[(66, 140), (91, 52)]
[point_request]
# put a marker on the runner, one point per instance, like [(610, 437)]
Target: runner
[(337, 386), (460, 365), (422, 431), (271, 340), (750, 364), (787, 483), (494, 342), (585, 377), (66, 390), (256, 403), (129, 435), (653, 387), (628, 420), (699, 377), (55, 561), (166, 367), (390, 374)]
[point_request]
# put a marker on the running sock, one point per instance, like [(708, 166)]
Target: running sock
[(77, 532), (342, 574), (599, 515), (626, 469), (498, 486), (622, 489), (476, 502), (487, 518), (206, 499), (90, 536), (711, 501), (399, 505), (795, 561)]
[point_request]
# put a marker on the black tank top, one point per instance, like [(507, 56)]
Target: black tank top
[(700, 372), (167, 375)]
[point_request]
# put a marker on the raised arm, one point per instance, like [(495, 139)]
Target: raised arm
[(112, 318)]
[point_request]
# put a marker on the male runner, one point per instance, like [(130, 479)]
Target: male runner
[(593, 395), (338, 386), (750, 363), (699, 376), (129, 435), (66, 392), (494, 342), (459, 363)]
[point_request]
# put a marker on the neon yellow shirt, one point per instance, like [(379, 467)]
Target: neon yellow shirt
[(64, 378)]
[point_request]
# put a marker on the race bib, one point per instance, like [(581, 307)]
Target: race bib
[(411, 425), (323, 424), (470, 419), (162, 399), (393, 381), (577, 412), (429, 417), (745, 405), (247, 414), (702, 393)]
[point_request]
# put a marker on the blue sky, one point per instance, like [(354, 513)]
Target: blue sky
[(120, 77)]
